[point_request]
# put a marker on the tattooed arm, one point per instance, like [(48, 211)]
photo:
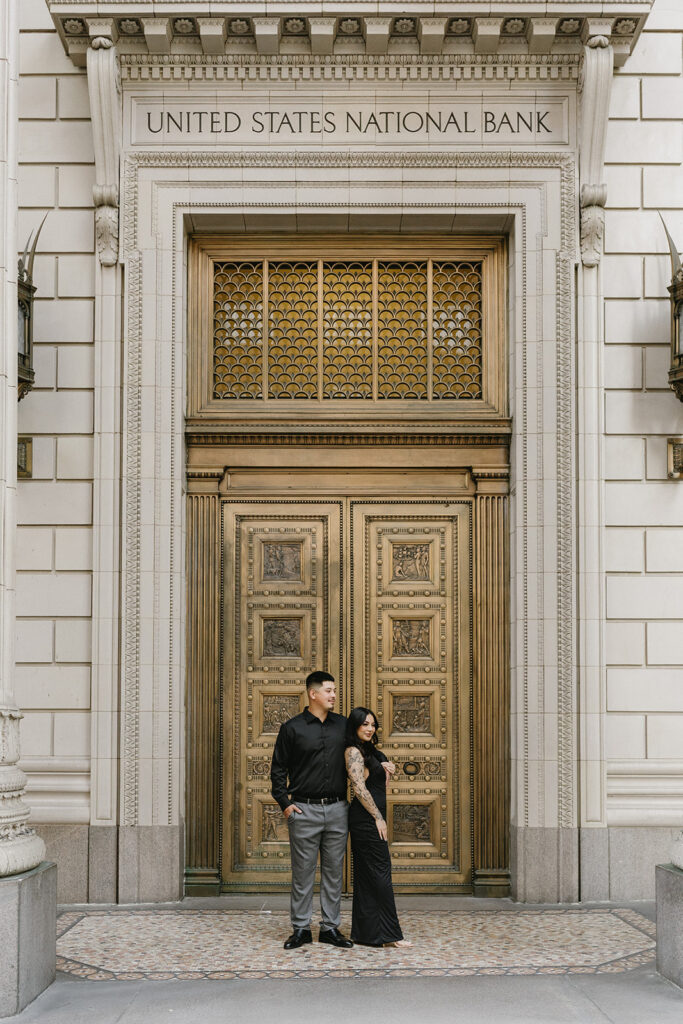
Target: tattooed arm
[(355, 768)]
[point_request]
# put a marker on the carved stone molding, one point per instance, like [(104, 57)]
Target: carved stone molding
[(595, 84), (140, 165), (20, 847), (467, 67), (211, 29), (104, 88)]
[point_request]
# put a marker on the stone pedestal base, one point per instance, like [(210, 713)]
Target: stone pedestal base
[(670, 922), (28, 910)]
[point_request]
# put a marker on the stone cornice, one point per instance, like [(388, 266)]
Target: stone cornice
[(202, 29)]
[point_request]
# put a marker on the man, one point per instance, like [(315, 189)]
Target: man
[(308, 778)]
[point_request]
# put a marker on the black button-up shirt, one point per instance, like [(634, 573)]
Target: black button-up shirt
[(310, 754)]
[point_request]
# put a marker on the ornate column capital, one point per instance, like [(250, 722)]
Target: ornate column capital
[(491, 480), (104, 87), (595, 86)]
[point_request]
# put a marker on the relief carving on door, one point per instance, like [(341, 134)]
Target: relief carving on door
[(411, 824), (281, 638), (412, 714), (282, 614), (410, 561), (411, 638), (413, 665), (281, 561)]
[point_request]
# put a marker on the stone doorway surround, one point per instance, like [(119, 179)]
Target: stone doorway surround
[(149, 199)]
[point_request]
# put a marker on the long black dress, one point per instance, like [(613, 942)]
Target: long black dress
[(374, 919)]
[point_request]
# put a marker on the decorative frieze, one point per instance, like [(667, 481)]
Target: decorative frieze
[(477, 68)]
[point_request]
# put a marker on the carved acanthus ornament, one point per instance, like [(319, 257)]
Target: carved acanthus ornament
[(104, 88), (595, 86), (21, 849)]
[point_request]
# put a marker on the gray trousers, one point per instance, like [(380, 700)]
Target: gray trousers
[(319, 829)]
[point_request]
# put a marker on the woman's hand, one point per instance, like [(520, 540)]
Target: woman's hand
[(381, 828), (389, 767)]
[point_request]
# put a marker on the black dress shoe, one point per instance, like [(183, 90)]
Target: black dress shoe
[(299, 937), (335, 938)]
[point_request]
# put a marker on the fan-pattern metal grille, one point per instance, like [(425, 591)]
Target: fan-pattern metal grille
[(402, 337), (238, 330), (348, 329), (292, 330), (456, 330)]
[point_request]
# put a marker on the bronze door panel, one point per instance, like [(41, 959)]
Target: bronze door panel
[(411, 607), (379, 593), (282, 615)]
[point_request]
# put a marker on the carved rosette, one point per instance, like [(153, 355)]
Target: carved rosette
[(104, 89), (21, 849)]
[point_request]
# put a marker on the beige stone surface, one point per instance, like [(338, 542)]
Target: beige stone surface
[(636, 589)]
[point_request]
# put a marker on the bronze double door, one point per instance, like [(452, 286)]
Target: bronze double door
[(379, 593)]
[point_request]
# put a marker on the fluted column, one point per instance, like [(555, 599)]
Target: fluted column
[(202, 821), (595, 88), (491, 685), (20, 848)]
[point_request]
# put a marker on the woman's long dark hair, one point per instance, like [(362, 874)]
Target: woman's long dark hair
[(353, 723)]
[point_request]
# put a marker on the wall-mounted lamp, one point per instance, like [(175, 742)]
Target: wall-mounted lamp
[(676, 293), (26, 291)]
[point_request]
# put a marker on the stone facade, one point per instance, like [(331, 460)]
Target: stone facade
[(596, 533)]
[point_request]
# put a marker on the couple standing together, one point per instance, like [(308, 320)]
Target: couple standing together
[(314, 753)]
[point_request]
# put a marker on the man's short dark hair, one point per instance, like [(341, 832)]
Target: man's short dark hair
[(314, 680)]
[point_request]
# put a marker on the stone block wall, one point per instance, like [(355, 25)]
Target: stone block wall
[(54, 542), (643, 554)]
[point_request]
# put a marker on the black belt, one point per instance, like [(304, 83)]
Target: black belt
[(317, 799)]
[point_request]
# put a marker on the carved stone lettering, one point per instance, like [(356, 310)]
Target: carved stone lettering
[(410, 561), (411, 638), (273, 827), (411, 714), (278, 709), (412, 824), (241, 121), (282, 638), (282, 562)]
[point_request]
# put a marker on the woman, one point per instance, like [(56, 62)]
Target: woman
[(374, 922)]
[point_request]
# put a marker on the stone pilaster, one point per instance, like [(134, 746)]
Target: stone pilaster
[(20, 848), (595, 88)]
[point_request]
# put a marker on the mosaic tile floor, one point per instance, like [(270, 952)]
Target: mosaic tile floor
[(127, 945)]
